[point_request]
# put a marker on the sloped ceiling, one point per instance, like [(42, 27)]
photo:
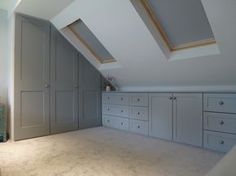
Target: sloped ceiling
[(8, 5), (45, 9), (142, 64)]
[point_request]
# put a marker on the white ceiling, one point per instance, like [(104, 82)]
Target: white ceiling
[(5, 4), (45, 9)]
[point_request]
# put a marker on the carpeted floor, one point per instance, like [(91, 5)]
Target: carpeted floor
[(103, 152)]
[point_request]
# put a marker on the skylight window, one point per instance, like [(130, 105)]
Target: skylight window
[(90, 41), (181, 23)]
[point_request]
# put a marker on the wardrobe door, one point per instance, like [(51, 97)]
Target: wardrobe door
[(31, 91), (90, 95), (188, 118), (64, 84), (160, 115)]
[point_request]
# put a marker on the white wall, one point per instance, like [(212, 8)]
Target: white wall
[(4, 57)]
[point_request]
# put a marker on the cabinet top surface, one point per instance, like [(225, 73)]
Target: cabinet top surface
[(213, 92)]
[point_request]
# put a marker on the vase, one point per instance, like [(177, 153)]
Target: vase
[(108, 88)]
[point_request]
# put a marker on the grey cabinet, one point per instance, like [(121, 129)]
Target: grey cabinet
[(55, 88), (126, 111), (90, 114), (31, 91), (187, 124), (160, 114), (176, 116), (219, 121), (64, 84)]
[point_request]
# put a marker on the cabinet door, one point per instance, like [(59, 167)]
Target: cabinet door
[(31, 92), (188, 118), (64, 84), (90, 114), (160, 115)]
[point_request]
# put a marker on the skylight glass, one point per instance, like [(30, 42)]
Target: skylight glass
[(83, 33), (181, 23)]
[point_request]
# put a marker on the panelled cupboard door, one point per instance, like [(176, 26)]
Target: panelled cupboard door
[(90, 108), (90, 114), (31, 115), (160, 115), (89, 77), (64, 84), (188, 118)]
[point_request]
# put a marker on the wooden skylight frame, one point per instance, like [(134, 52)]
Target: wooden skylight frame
[(158, 26), (101, 60)]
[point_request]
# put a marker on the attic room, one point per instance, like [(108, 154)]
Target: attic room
[(117, 87)]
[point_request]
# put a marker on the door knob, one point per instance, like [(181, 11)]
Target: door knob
[(222, 142), (221, 103), (46, 85), (222, 122)]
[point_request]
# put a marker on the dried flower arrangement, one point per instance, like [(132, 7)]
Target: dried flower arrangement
[(110, 83)]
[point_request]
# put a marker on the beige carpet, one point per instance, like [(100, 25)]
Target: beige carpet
[(103, 152)]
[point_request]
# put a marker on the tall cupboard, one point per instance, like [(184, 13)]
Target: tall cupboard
[(50, 96)]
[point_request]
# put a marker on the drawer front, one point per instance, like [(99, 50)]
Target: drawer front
[(107, 98), (120, 99), (117, 110), (116, 122), (107, 121), (139, 99), (220, 122), (140, 127), (220, 102), (106, 109), (122, 124), (219, 141), (140, 113)]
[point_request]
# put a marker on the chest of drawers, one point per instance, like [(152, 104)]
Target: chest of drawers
[(126, 111), (219, 121)]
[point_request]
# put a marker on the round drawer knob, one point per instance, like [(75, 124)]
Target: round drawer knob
[(138, 126), (122, 99), (122, 123), (108, 98), (121, 111), (138, 99), (221, 103), (222, 122), (222, 142), (138, 113), (108, 121)]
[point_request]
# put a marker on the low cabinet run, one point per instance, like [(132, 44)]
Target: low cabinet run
[(170, 116)]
